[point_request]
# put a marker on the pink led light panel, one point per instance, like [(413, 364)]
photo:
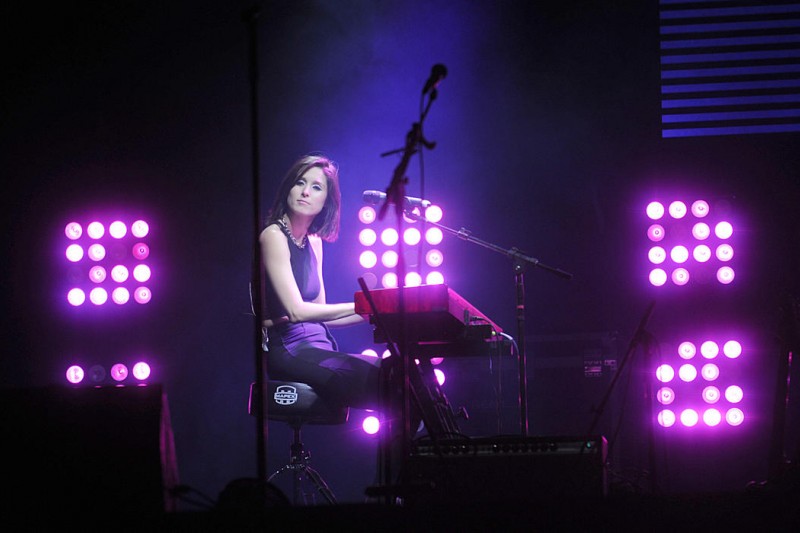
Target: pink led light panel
[(75, 374), (371, 425), (654, 210), (367, 215), (434, 213), (666, 418)]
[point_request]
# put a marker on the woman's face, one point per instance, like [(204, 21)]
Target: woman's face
[(308, 194)]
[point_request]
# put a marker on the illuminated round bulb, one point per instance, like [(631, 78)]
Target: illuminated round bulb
[(434, 278), (368, 259), (709, 371), (117, 229), (141, 273), (658, 277), (677, 209), (369, 352), (119, 372), (141, 371), (142, 295), (386, 354), (666, 418), (655, 210), (700, 208), (119, 273), (367, 237), (97, 274), (120, 295), (434, 258), (679, 254), (680, 276), (95, 230), (701, 231), (434, 236), (389, 280), (98, 296), (687, 350), (711, 394), (665, 373), (367, 215), (701, 253), (732, 349), (724, 252), (439, 376), (434, 213), (412, 236), (371, 425), (665, 395), (689, 418), (73, 231), (655, 232), (709, 349), (413, 279), (140, 229), (75, 374), (76, 297), (734, 417), (687, 373), (712, 417), (74, 252), (96, 252), (389, 237), (657, 255), (734, 394), (723, 230), (140, 251), (389, 259), (725, 275)]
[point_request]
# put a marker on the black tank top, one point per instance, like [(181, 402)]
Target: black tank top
[(304, 268)]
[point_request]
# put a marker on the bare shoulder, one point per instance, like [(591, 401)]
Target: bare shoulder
[(270, 234), (316, 244)]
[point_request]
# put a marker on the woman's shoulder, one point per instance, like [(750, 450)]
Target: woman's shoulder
[(272, 233)]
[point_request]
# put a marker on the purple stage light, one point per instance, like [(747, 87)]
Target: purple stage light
[(369, 352), (367, 215), (434, 213), (76, 297), (665, 395), (732, 349), (654, 210), (689, 418), (73, 231), (413, 279), (95, 230), (702, 253), (117, 229), (712, 417), (658, 277), (141, 273), (734, 416), (74, 252), (725, 275), (680, 276), (709, 349), (434, 258), (657, 255), (120, 295), (700, 208), (140, 251), (119, 372), (687, 350), (141, 371), (98, 296), (665, 373), (439, 376), (711, 394), (724, 252), (434, 278), (140, 229), (389, 237), (709, 371), (701, 231), (96, 252), (723, 230), (75, 374), (656, 233), (389, 280), (97, 274), (687, 373), (734, 394), (666, 418), (389, 259), (367, 237), (371, 425), (434, 236), (677, 209), (142, 295), (368, 259), (412, 236), (119, 273), (679, 254)]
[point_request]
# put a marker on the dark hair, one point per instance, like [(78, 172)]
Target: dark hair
[(326, 223)]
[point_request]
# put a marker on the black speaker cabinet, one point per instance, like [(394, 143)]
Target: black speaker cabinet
[(87, 452), (507, 469)]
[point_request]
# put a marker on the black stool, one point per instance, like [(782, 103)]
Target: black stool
[(297, 404)]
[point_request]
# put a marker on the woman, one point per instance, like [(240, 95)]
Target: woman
[(306, 211)]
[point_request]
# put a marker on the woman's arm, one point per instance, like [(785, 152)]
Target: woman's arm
[(277, 262), (351, 320)]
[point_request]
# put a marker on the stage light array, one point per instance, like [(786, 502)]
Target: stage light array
[(118, 374), (378, 258), (698, 384), (108, 262), (688, 243)]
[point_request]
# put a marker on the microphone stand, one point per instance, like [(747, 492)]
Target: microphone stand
[(520, 261), (395, 194)]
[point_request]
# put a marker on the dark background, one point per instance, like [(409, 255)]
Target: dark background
[(548, 139)]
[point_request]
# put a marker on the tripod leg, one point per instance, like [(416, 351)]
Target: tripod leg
[(322, 487)]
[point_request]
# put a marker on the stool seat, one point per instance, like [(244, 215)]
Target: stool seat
[(297, 403)]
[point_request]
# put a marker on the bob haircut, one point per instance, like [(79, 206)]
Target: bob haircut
[(326, 223)]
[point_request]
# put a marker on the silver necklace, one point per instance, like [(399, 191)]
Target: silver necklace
[(300, 244)]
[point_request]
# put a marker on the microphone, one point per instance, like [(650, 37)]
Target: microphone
[(438, 73), (375, 197)]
